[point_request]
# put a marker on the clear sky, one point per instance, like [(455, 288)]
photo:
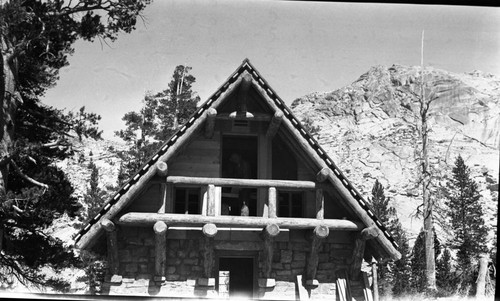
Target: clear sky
[(298, 47)]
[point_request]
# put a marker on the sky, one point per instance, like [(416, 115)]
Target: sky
[(298, 47)]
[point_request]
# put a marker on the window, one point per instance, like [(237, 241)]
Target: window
[(187, 201), (290, 204)]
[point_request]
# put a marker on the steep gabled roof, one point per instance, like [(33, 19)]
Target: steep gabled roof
[(133, 187)]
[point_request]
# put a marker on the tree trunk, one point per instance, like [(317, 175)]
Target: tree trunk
[(8, 105), (430, 263), (481, 278)]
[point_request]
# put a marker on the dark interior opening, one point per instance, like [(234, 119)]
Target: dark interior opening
[(238, 274), (239, 160)]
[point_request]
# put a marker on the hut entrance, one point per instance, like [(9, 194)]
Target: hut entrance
[(236, 277), (239, 160)]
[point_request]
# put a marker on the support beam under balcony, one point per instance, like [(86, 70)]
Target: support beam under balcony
[(318, 236), (359, 250), (148, 219), (112, 246), (160, 229), (268, 235)]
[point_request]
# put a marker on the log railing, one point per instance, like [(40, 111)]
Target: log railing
[(210, 219)]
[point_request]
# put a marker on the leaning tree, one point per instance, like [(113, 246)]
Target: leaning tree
[(36, 38)]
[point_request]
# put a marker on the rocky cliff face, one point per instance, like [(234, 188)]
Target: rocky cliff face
[(370, 129)]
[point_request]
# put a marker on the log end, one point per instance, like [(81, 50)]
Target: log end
[(272, 230), (209, 230), (160, 227), (323, 174), (108, 225), (321, 231), (161, 169)]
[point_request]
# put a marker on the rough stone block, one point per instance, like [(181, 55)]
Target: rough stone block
[(149, 242), (277, 266), (140, 252), (170, 270), (192, 261), (267, 282), (143, 268), (323, 257), (181, 253), (143, 259), (284, 273), (131, 268), (124, 256), (298, 264), (172, 277), (136, 241), (205, 282), (113, 279), (173, 261), (298, 256), (326, 266), (286, 256)]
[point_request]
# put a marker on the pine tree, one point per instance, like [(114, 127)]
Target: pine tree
[(158, 119), (445, 278), (401, 268), (95, 196), (391, 274), (466, 216), (36, 38)]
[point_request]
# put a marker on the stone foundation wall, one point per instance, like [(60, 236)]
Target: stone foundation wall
[(184, 266)]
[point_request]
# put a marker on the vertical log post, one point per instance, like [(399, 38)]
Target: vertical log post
[(375, 279), (268, 235), (274, 125), (112, 245), (318, 235), (271, 202), (160, 229), (359, 250), (211, 200), (210, 123), (320, 204)]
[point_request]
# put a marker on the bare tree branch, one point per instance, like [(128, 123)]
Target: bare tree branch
[(27, 178)]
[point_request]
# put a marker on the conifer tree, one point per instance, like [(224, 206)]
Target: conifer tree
[(95, 196), (445, 278), (391, 274), (401, 269), (418, 261), (466, 216), (160, 116), (36, 38)]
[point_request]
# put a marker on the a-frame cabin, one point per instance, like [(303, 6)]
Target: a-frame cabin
[(240, 201)]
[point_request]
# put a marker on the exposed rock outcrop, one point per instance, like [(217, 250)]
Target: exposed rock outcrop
[(370, 129)]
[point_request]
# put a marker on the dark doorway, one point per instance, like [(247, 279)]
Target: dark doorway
[(239, 160), (236, 276)]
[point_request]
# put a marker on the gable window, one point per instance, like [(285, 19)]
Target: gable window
[(187, 201), (290, 204)]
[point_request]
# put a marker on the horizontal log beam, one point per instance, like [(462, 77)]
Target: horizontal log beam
[(247, 183), (148, 219)]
